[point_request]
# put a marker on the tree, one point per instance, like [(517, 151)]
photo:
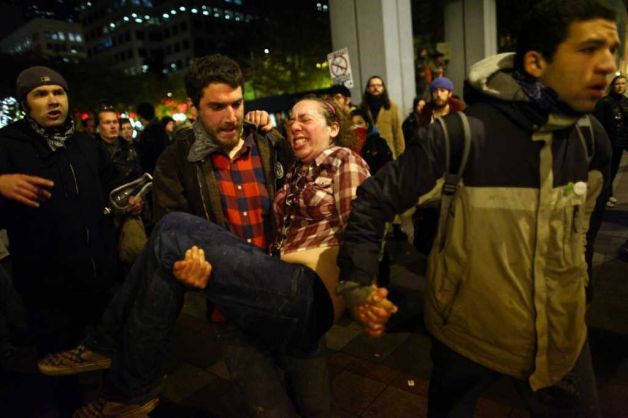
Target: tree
[(295, 50)]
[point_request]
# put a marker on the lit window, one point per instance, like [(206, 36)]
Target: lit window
[(78, 37), (71, 37)]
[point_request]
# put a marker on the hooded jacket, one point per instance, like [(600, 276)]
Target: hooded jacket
[(506, 286), (66, 244)]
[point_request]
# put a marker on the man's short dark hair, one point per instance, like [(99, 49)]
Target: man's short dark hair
[(547, 25), (146, 111), (339, 89), (215, 68)]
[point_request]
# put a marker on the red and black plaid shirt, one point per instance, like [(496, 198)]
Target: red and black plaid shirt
[(243, 193)]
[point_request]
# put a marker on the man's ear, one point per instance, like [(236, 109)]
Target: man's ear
[(534, 63)]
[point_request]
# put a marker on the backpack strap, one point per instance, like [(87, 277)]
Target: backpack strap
[(584, 127), (456, 158)]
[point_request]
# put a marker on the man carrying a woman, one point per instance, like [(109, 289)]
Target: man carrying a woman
[(285, 302)]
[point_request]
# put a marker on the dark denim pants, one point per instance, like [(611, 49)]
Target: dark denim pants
[(295, 383), (457, 383), (261, 294)]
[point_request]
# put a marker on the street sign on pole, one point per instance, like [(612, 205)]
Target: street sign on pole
[(340, 67)]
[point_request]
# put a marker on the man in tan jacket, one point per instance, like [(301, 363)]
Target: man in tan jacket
[(384, 113)]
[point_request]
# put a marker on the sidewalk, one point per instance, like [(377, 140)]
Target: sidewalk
[(388, 377)]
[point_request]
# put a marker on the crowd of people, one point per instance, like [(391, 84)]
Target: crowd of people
[(282, 235)]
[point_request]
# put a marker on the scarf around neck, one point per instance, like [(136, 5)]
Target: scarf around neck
[(203, 144), (55, 136), (543, 96)]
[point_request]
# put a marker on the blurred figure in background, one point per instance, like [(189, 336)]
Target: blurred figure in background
[(153, 139), (126, 130), (411, 123), (168, 123), (612, 112)]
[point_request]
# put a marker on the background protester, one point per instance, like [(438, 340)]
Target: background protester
[(152, 139), (126, 130), (54, 183), (366, 141), (612, 112), (384, 113), (411, 123)]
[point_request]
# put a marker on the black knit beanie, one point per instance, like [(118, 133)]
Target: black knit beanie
[(37, 76)]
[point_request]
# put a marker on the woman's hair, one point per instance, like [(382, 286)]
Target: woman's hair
[(416, 102), (121, 121)]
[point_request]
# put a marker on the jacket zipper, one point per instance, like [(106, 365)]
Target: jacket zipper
[(74, 178), (200, 190)]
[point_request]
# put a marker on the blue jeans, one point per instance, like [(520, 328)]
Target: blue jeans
[(262, 295), (457, 383)]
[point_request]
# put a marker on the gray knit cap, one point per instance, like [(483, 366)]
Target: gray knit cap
[(37, 76)]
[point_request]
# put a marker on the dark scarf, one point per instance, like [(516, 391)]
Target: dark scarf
[(55, 136), (542, 96)]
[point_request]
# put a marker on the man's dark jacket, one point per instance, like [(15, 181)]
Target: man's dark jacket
[(67, 243), (124, 158), (181, 185)]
